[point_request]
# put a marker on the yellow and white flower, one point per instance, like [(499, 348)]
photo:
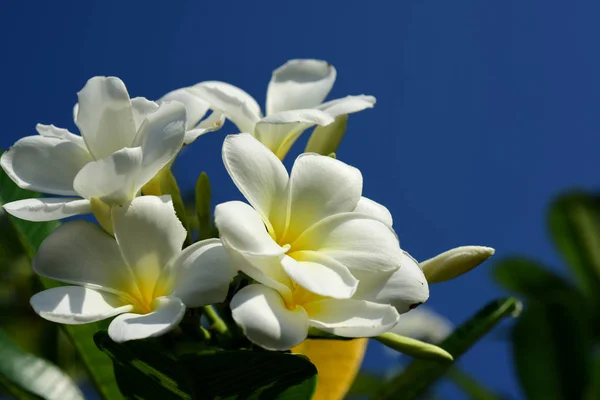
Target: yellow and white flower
[(123, 144), (294, 103), (141, 274), (304, 239)]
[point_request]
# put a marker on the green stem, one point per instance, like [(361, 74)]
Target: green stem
[(216, 322)]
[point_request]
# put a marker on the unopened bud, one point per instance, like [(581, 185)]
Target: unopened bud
[(455, 262), (101, 211), (326, 139)]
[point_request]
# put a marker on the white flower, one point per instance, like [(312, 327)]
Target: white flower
[(303, 239), (294, 103), (141, 274), (196, 110), (124, 142)]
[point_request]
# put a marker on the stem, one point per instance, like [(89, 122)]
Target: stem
[(413, 347), (216, 322)]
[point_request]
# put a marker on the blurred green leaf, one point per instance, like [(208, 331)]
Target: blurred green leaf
[(551, 349), (211, 374), (31, 235), (575, 229), (26, 376), (470, 386), (593, 390), (529, 279), (205, 226), (421, 374), (365, 385), (326, 139)]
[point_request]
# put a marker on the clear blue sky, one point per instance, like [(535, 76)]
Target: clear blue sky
[(485, 108)]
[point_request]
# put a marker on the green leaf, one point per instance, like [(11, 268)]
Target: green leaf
[(27, 376), (366, 384), (212, 374), (31, 235), (575, 229), (326, 139), (421, 374), (529, 279), (205, 226), (551, 349), (470, 386)]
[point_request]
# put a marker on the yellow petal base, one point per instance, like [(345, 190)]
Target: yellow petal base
[(337, 362)]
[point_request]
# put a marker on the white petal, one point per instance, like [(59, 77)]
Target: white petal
[(213, 122), (351, 318), (60, 133), (237, 92), (195, 107), (161, 137), (45, 164), (105, 117), (404, 289), (263, 316), (281, 130), (299, 84), (243, 229), (149, 236), (347, 105), (48, 209), (423, 324), (201, 274), (141, 107), (257, 173), (168, 312), (77, 305), (79, 252), (113, 179), (236, 104), (375, 210), (355, 240), (320, 274), (267, 270), (320, 186)]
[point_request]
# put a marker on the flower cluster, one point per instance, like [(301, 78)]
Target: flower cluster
[(315, 254)]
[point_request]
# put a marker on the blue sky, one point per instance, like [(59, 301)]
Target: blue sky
[(485, 109)]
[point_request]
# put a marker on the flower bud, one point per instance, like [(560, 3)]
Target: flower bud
[(454, 262)]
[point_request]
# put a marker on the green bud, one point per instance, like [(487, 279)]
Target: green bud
[(454, 262), (326, 139)]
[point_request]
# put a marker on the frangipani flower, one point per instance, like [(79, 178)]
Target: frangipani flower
[(294, 103), (123, 144), (196, 110), (303, 239), (141, 274)]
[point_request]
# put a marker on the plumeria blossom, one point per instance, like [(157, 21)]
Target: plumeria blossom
[(141, 274), (294, 103), (123, 144), (196, 124), (304, 239)]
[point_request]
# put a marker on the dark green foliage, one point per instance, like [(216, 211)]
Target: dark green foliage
[(417, 378), (145, 369)]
